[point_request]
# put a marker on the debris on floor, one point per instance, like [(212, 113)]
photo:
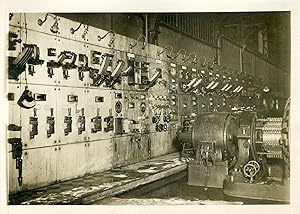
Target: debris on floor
[(103, 184), (169, 201)]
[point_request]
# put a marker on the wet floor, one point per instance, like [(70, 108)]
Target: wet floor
[(174, 190)]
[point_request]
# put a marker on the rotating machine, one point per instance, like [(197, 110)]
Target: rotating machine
[(246, 156)]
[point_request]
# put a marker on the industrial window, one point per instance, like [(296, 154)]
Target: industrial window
[(262, 42), (200, 27)]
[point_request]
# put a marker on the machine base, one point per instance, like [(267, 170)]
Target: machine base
[(217, 173), (256, 191)]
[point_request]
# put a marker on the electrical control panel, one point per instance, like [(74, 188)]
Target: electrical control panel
[(107, 99)]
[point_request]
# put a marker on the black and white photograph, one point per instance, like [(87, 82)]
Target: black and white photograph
[(148, 108)]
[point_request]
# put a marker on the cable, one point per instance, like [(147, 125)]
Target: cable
[(112, 39), (189, 57), (25, 27), (25, 43), (41, 22), (204, 62), (102, 37), (26, 79), (169, 53), (137, 40), (76, 29), (179, 53)]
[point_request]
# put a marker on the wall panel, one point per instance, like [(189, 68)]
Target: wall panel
[(39, 114), (230, 55)]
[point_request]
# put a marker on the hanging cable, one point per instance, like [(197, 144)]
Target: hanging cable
[(54, 28), (112, 40), (26, 32), (133, 45), (41, 22), (189, 57), (204, 62), (74, 30), (169, 55), (102, 37), (179, 53)]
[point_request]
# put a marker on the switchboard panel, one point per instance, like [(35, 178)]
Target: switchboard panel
[(99, 103), (83, 100), (94, 149), (72, 120), (14, 126), (38, 162), (39, 123)]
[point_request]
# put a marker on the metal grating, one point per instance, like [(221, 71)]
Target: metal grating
[(201, 26)]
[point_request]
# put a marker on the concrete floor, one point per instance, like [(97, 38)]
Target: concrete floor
[(90, 188), (174, 190)]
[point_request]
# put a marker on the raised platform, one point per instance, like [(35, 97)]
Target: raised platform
[(261, 191), (90, 188)]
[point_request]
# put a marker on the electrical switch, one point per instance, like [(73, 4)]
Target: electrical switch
[(97, 122), (17, 150), (153, 79), (51, 123), (51, 64), (68, 122), (144, 73), (188, 87), (130, 71), (95, 57), (83, 66), (81, 122), (34, 122), (30, 54), (34, 60), (115, 76), (102, 75), (67, 60), (109, 122), (13, 40), (119, 128)]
